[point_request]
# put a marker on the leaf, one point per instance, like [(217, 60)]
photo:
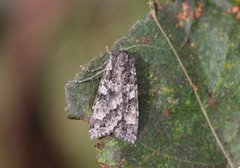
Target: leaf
[(172, 129)]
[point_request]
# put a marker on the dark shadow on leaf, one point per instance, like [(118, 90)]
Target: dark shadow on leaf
[(142, 69)]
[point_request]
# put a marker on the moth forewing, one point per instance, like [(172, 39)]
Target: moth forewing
[(115, 109)]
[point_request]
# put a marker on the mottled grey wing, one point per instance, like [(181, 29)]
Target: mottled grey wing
[(108, 105), (127, 128), (115, 109)]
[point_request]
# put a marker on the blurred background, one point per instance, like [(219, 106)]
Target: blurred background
[(42, 44)]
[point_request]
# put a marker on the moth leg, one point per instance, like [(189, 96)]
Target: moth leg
[(90, 78), (98, 68)]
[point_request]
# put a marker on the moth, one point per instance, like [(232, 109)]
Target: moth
[(115, 108)]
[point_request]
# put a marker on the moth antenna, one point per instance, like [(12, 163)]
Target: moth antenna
[(90, 78), (142, 45)]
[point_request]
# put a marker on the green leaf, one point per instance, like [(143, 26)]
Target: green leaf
[(172, 129)]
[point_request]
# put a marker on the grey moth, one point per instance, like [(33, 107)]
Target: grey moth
[(115, 109)]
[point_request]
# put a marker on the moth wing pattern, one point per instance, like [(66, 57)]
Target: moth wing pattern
[(115, 109), (128, 126)]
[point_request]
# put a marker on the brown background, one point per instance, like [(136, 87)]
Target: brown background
[(43, 42)]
